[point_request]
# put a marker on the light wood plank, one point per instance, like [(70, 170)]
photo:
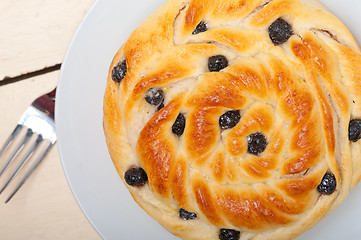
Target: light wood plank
[(36, 33), (44, 208)]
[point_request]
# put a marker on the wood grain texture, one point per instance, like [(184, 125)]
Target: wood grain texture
[(36, 33), (44, 208)]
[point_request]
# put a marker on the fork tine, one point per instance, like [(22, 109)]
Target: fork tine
[(30, 170), (21, 162), (11, 138), (10, 158)]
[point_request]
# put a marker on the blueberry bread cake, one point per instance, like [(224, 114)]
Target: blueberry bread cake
[(236, 119)]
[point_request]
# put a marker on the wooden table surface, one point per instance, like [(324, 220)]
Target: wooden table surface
[(34, 38)]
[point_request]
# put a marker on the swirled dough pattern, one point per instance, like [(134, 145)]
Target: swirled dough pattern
[(290, 102)]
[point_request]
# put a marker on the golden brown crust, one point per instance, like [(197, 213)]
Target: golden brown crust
[(301, 95)]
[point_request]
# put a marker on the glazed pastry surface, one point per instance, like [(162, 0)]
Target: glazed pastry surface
[(236, 119)]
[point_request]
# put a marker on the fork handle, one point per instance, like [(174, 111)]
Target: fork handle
[(46, 102)]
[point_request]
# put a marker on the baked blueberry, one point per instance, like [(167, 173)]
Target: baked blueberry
[(201, 27), (185, 215), (160, 106), (229, 234), (257, 143), (328, 184), (179, 125), (217, 63), (354, 130), (119, 71), (135, 177), (279, 31), (154, 96), (229, 119)]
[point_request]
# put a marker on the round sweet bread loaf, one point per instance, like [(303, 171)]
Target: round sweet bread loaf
[(236, 119)]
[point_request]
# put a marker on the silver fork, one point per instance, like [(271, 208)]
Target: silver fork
[(38, 122)]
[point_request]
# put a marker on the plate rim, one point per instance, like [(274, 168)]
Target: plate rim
[(57, 109)]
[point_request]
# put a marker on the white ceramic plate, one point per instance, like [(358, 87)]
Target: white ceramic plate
[(87, 165)]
